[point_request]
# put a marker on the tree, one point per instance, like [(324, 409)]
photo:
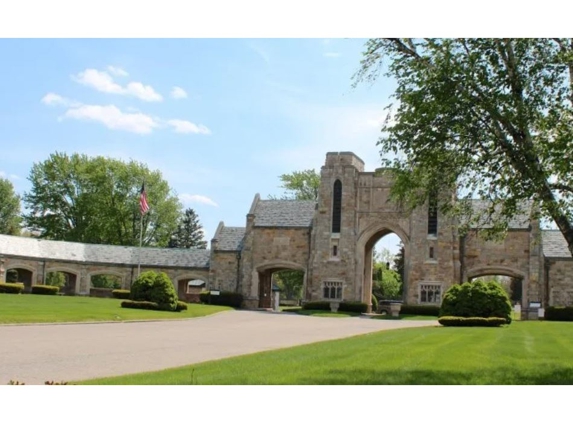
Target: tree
[(492, 118), (301, 185), (56, 278), (189, 232), (290, 282), (106, 281), (9, 209), (96, 200), (399, 263)]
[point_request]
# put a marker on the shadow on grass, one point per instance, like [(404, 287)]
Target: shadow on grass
[(498, 376)]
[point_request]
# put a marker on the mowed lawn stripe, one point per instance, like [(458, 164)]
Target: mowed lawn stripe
[(28, 308), (421, 356)]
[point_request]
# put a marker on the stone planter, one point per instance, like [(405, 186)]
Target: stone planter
[(334, 306), (392, 307)]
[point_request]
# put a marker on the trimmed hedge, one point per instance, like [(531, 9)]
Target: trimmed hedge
[(232, 299), (420, 310), (155, 287), (141, 304), (45, 290), (452, 321), (317, 306), (14, 288), (559, 313), (181, 306), (121, 294), (358, 307)]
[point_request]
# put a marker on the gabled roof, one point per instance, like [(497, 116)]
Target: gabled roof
[(519, 221), (284, 213), (102, 254), (554, 244), (230, 238)]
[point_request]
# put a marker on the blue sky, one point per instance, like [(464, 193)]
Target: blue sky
[(222, 119)]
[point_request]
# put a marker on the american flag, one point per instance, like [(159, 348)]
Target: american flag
[(143, 205)]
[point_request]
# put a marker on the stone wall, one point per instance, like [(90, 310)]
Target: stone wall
[(559, 282), (224, 271)]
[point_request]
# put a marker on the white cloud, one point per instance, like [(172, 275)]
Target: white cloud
[(331, 54), (184, 126), (5, 175), (52, 99), (113, 118), (117, 71), (199, 199), (178, 93), (102, 81), (143, 92)]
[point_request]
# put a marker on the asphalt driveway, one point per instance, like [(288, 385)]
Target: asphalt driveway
[(66, 352)]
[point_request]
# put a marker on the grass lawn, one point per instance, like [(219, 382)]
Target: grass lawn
[(408, 317), (528, 352), (26, 308)]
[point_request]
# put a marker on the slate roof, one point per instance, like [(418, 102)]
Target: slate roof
[(519, 221), (230, 238), (554, 244), (102, 254), (284, 213)]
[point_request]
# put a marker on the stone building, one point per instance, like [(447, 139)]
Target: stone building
[(331, 242)]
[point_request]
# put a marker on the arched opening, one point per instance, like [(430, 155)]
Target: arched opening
[(513, 285), (105, 281), (189, 288), (283, 277), (384, 270), (65, 280), (20, 275)]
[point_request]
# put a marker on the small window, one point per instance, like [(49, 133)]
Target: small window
[(431, 252), (332, 290), (335, 250)]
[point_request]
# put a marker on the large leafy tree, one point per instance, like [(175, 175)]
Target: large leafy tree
[(491, 117), (96, 200), (302, 185), (189, 232), (9, 209)]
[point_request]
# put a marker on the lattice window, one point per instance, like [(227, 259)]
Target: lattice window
[(430, 293), (332, 290)]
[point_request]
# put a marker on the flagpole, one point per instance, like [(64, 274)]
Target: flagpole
[(140, 242)]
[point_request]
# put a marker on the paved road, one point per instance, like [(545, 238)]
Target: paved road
[(37, 353)]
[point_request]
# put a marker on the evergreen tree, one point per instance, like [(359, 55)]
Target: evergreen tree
[(189, 232)]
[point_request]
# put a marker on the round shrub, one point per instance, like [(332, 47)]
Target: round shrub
[(477, 299), (155, 287)]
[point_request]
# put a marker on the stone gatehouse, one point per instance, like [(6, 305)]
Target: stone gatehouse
[(330, 241)]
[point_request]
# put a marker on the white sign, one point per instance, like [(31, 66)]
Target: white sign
[(215, 292)]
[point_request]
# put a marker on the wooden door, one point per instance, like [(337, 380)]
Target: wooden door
[(265, 290)]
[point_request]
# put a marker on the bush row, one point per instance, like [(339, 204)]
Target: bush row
[(232, 299), (45, 290), (452, 321), (476, 299), (358, 307), (559, 313), (14, 288), (120, 294), (420, 310), (152, 306)]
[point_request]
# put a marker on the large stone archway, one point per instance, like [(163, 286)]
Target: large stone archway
[(265, 273)]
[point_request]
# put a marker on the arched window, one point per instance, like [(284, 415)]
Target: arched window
[(433, 214), (336, 206)]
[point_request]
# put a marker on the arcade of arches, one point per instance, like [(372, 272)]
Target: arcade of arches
[(329, 241)]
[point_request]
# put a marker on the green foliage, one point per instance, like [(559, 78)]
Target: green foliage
[(224, 298), (45, 290), (9, 209), (56, 278), (451, 321), (14, 288), (374, 303), (358, 307), (106, 281), (189, 232), (491, 117), (140, 304), (559, 313), (181, 306), (316, 306), (420, 310), (96, 200), (290, 282), (155, 287), (385, 282), (301, 185), (399, 265), (477, 299), (121, 294)]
